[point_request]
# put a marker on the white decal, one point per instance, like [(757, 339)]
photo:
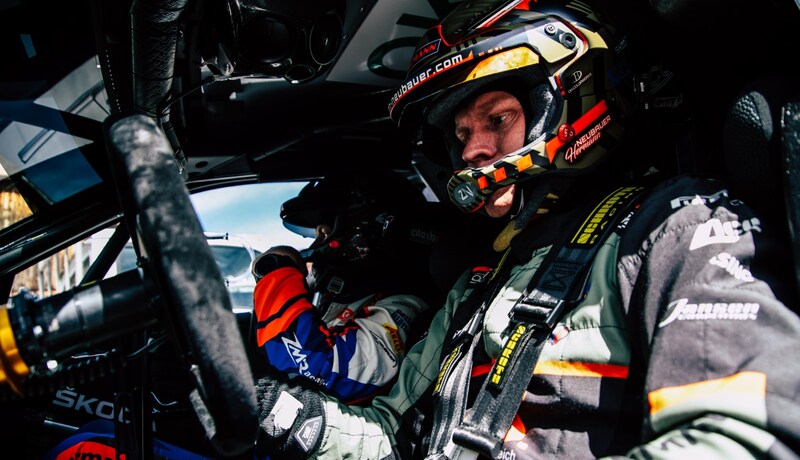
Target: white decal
[(578, 79), (70, 399), (586, 140), (421, 76), (295, 350), (285, 411), (696, 200), (731, 265), (682, 310), (717, 232)]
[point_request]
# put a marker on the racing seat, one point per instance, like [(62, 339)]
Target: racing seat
[(761, 144)]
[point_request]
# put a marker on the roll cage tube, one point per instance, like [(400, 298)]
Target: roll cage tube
[(178, 286)]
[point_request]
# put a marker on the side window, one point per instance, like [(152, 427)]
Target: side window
[(240, 223)]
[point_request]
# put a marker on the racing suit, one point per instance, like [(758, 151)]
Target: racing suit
[(681, 347), (353, 349)]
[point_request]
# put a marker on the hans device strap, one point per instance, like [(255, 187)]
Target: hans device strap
[(555, 289)]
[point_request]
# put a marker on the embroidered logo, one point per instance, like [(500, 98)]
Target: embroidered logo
[(696, 200), (682, 310), (395, 336), (731, 265), (308, 433), (425, 50), (715, 231), (296, 352)]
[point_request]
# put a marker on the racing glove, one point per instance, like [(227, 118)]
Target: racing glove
[(291, 418)]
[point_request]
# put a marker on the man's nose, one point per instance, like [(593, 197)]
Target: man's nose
[(321, 233), (322, 230), (480, 149)]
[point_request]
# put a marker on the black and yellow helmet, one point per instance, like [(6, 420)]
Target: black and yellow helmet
[(559, 58), (358, 207)]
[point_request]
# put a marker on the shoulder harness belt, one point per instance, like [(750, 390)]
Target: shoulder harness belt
[(556, 288)]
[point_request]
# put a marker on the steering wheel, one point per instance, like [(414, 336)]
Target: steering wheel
[(175, 252)]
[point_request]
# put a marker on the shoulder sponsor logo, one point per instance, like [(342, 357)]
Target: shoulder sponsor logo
[(382, 345), (715, 231), (480, 275), (296, 352), (731, 265), (682, 310), (346, 315), (394, 335), (696, 200), (401, 320)]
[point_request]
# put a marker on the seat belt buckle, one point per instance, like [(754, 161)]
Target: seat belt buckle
[(539, 309), (469, 442), (467, 333), (453, 451)]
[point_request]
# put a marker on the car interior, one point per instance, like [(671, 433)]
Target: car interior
[(113, 114)]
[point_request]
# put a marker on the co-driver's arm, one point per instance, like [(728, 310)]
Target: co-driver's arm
[(353, 360)]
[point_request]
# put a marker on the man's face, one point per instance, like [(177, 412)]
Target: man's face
[(491, 126)]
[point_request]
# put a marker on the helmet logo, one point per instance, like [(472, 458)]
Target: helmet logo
[(430, 72), (386, 220), (577, 78), (565, 132), (586, 140), (425, 50), (464, 194)]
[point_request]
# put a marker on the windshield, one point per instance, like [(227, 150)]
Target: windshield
[(42, 161)]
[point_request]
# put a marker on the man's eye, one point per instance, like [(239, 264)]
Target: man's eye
[(462, 136), (498, 120)]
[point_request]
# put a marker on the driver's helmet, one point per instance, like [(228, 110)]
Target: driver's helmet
[(561, 61), (369, 217)]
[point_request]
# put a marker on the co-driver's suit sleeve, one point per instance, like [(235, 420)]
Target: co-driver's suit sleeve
[(353, 360), (719, 350), (369, 431)]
